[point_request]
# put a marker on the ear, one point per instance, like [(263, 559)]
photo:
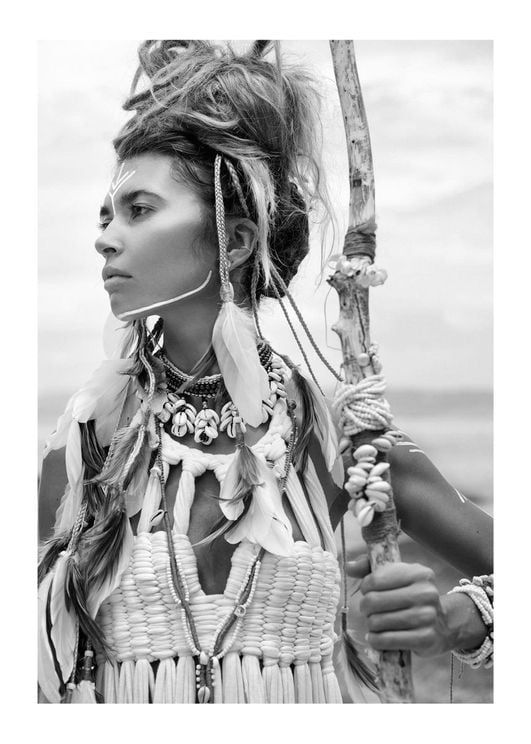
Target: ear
[(242, 237)]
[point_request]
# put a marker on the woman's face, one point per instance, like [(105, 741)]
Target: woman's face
[(152, 239)]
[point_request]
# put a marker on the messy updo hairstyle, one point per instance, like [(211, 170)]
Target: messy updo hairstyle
[(201, 99)]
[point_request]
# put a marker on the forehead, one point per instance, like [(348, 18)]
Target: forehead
[(153, 169)]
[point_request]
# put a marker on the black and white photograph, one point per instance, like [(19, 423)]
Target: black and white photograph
[(265, 371)]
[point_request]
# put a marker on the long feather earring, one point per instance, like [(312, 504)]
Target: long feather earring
[(234, 336)]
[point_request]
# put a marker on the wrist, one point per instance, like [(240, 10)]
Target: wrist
[(466, 629)]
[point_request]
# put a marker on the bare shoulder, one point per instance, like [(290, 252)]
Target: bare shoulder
[(51, 489)]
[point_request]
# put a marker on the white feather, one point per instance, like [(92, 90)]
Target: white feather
[(101, 397), (234, 341), (230, 509), (74, 471), (47, 676), (151, 501), (64, 626), (325, 432), (96, 598), (266, 522)]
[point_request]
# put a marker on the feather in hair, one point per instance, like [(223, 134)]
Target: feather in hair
[(125, 447), (107, 570), (234, 341), (76, 597)]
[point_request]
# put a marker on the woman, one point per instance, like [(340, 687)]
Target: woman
[(196, 437)]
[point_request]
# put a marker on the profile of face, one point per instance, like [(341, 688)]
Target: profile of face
[(152, 239)]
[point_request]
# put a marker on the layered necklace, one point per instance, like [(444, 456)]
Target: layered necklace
[(206, 423)]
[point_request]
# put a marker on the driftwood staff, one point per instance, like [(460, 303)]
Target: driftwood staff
[(365, 417)]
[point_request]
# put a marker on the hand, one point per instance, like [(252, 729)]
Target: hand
[(403, 608)]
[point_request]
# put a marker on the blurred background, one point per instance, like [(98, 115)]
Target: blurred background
[(429, 105)]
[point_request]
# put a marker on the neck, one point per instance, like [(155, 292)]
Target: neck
[(188, 329), (188, 335)]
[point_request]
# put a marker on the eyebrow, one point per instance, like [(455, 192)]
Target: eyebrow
[(127, 197)]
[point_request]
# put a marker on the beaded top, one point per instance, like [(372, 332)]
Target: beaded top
[(290, 620)]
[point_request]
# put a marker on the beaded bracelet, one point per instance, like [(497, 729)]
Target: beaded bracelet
[(481, 592)]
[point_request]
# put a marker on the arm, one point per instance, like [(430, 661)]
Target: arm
[(401, 600), (52, 487), (430, 511)]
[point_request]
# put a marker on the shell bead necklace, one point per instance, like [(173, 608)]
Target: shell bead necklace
[(206, 423)]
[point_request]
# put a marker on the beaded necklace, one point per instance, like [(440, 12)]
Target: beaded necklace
[(206, 423)]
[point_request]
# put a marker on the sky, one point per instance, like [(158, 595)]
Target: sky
[(429, 105)]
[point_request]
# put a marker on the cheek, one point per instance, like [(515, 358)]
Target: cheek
[(177, 249)]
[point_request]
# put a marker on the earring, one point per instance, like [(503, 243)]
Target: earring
[(234, 335)]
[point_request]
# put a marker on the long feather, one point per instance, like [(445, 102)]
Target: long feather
[(64, 625), (325, 429), (76, 597), (234, 341), (123, 443), (49, 673), (120, 547)]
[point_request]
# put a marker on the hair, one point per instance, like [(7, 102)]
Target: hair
[(202, 99)]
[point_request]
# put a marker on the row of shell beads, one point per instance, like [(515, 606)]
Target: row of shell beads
[(276, 388), (230, 420), (369, 491), (206, 425)]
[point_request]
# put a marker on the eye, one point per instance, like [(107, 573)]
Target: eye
[(102, 225), (138, 210)]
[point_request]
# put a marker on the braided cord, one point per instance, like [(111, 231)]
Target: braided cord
[(221, 228), (303, 323), (243, 598), (295, 335), (237, 186)]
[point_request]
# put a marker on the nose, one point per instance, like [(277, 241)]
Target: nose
[(108, 243)]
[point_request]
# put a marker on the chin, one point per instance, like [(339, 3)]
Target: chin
[(120, 309)]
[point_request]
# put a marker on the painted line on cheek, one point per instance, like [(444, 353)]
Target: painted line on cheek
[(125, 315)]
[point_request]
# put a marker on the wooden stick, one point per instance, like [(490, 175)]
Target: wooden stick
[(353, 329)]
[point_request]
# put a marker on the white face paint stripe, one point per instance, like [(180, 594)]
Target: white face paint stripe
[(463, 498), (118, 183), (125, 315)]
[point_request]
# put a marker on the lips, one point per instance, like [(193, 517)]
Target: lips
[(109, 272)]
